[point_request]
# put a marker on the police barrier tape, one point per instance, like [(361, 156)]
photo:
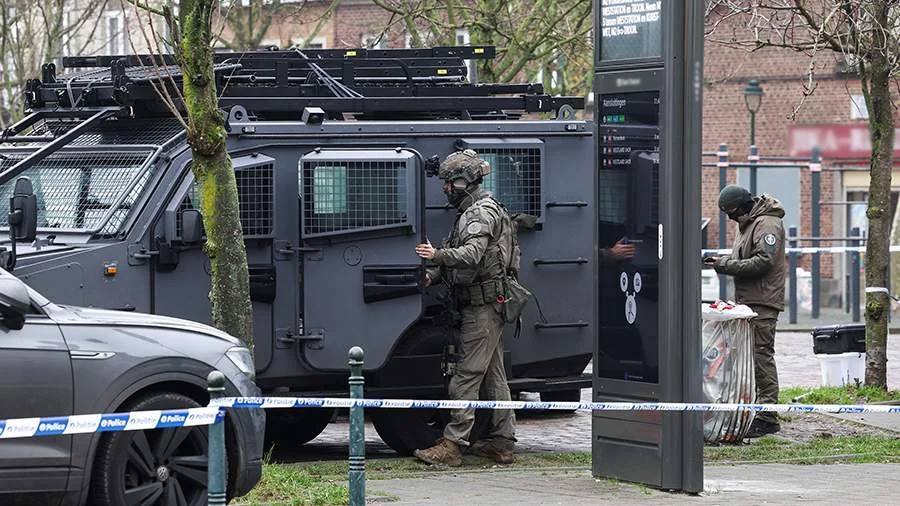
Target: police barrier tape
[(315, 402), (109, 422), (830, 249)]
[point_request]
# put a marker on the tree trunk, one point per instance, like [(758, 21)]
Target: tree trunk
[(876, 80), (213, 171)]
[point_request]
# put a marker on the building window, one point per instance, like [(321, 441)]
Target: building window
[(374, 40), (463, 39), (858, 108), (115, 33), (316, 43)]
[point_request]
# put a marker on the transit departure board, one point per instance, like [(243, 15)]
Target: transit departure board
[(628, 204), (630, 29)]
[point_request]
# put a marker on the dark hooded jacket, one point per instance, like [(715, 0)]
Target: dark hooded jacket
[(757, 258)]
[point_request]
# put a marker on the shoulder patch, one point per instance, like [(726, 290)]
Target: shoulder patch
[(769, 239), (474, 228)]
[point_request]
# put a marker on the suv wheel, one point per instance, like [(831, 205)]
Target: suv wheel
[(152, 467)]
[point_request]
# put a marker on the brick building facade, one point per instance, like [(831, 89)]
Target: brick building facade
[(788, 123)]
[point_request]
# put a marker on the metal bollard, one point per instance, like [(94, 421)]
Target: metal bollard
[(792, 276), (217, 473), (723, 232), (815, 172), (854, 277), (357, 466)]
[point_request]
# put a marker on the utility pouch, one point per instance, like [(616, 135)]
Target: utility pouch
[(515, 298)]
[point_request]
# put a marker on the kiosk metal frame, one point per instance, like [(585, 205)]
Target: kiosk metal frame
[(645, 47)]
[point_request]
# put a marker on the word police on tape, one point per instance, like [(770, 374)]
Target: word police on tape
[(135, 420), (340, 402)]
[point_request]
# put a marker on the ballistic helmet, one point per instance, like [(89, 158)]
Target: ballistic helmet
[(733, 197), (464, 164)]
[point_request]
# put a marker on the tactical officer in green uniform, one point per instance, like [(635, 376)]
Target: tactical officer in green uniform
[(472, 262), (758, 267)]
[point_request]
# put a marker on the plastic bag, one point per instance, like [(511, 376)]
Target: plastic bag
[(727, 364)]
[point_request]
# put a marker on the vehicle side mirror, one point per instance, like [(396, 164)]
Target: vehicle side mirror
[(23, 212), (14, 301), (192, 226)]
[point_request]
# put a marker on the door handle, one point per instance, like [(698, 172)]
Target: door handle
[(395, 279)]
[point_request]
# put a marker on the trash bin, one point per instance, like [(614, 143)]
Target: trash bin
[(728, 376), (841, 352)]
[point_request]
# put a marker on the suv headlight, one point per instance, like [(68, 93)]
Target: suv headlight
[(243, 360)]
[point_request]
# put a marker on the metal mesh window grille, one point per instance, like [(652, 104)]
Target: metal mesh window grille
[(515, 178), (255, 197), (112, 131), (351, 195), (75, 191)]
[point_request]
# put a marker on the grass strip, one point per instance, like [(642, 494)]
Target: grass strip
[(850, 394), (325, 483), (819, 450)]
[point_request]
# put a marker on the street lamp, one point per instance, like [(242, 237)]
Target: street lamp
[(753, 94)]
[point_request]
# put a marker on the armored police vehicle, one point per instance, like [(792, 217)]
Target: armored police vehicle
[(330, 149)]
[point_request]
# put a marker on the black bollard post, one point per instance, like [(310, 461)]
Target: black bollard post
[(792, 275), (854, 276), (217, 472), (815, 171), (357, 473), (723, 233)]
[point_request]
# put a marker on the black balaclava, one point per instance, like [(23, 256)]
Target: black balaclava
[(459, 190)]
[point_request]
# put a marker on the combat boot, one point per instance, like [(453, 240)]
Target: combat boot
[(501, 452), (760, 428), (445, 452)]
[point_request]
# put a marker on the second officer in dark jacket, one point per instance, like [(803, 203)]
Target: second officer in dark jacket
[(757, 265)]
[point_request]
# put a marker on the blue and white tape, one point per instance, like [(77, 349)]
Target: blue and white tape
[(110, 422), (339, 402)]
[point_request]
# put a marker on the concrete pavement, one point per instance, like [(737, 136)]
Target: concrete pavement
[(733, 485)]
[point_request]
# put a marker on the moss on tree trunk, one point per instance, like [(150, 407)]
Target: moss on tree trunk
[(230, 293), (875, 75)]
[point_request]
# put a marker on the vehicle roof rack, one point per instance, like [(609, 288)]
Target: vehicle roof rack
[(387, 84)]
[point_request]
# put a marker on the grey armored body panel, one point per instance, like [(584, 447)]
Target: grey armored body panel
[(331, 209)]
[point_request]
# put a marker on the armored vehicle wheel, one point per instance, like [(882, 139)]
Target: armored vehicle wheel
[(290, 428), (573, 395), (153, 467), (406, 430)]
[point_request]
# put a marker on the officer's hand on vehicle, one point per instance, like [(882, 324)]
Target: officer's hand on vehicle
[(622, 250), (425, 250)]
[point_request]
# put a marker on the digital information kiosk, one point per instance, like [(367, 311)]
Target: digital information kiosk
[(647, 85)]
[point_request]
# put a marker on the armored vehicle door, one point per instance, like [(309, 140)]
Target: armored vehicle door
[(361, 219), (183, 273)]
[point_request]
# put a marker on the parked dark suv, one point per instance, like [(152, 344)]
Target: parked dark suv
[(61, 360)]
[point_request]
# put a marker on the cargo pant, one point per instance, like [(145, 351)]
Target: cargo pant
[(481, 364), (763, 327)]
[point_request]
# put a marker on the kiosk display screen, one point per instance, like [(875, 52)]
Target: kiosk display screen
[(630, 29), (628, 207)]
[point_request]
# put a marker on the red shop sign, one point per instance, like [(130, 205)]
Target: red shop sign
[(848, 141)]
